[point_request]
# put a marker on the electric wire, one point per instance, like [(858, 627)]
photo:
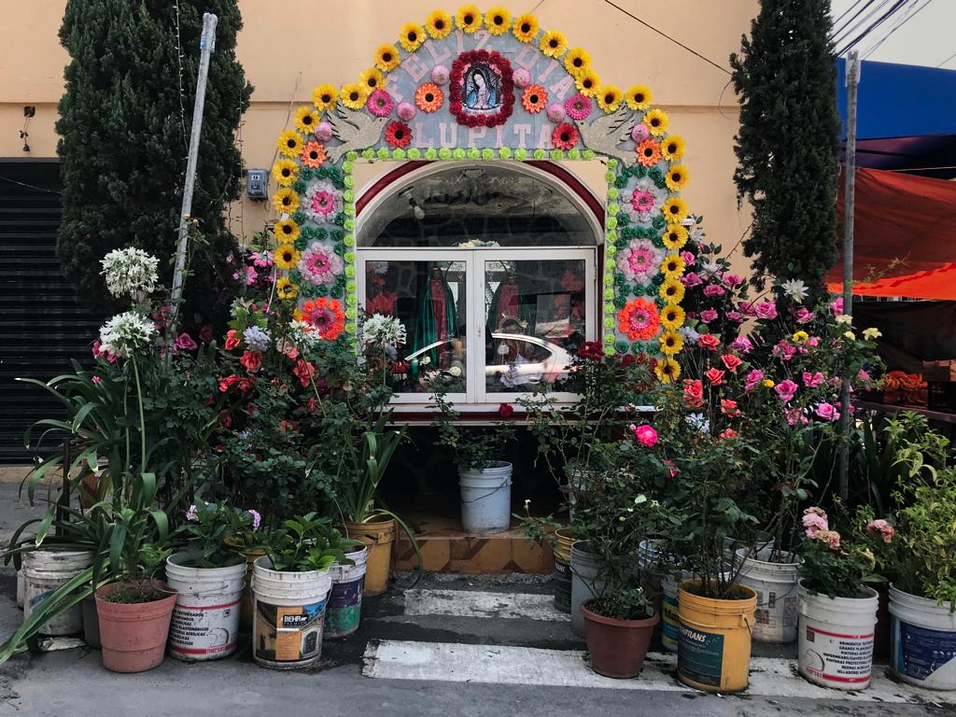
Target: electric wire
[(858, 21), (897, 6), (905, 19), (840, 27), (946, 60)]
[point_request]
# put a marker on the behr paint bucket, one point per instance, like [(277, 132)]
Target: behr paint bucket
[(923, 641), (344, 611)]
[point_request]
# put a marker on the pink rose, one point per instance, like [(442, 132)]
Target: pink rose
[(733, 280), (731, 362), (882, 528), (804, 315), (689, 258), (691, 279), (741, 344), (786, 390), (708, 315), (729, 433), (766, 310), (184, 342), (812, 380), (715, 376), (753, 380), (645, 435), (830, 537), (714, 290), (827, 411), (734, 316), (836, 306), (814, 523), (729, 408)]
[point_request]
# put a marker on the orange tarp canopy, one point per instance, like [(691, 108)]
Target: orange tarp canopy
[(906, 219)]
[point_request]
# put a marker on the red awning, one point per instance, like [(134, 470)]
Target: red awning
[(904, 237)]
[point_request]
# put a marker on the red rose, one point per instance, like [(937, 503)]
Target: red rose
[(252, 360), (505, 410), (708, 341), (715, 376), (731, 361), (232, 339)]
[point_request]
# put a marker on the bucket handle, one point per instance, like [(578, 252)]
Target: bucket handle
[(203, 593), (482, 497), (746, 622)]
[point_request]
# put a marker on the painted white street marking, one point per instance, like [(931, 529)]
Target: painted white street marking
[(465, 603), (502, 664)]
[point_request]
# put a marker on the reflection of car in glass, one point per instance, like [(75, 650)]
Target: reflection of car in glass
[(516, 359)]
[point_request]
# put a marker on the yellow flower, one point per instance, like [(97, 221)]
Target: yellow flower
[(871, 334), (553, 44), (768, 383), (675, 209), (577, 62), (677, 178), (656, 121), (387, 58), (526, 28), (609, 98), (843, 319), (289, 143), (438, 24), (672, 266), (639, 97), (671, 342), (285, 172), (373, 79), (497, 21), (324, 97), (286, 231), (411, 37), (285, 201), (672, 291), (667, 370), (306, 119), (800, 337), (468, 18), (588, 83), (354, 95), (672, 148), (285, 289), (675, 236), (286, 256), (672, 317), (850, 335)]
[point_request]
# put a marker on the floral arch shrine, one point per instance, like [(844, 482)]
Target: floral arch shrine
[(478, 88)]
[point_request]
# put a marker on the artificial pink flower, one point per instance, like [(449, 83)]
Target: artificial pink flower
[(184, 342), (691, 278), (812, 380), (693, 393), (645, 435), (708, 315), (709, 342), (814, 523), (804, 315), (753, 380), (715, 376), (786, 390), (733, 280), (741, 344), (830, 537), (734, 316), (714, 290), (731, 362), (836, 306), (640, 132), (252, 360), (882, 528), (729, 408), (827, 411), (766, 310)]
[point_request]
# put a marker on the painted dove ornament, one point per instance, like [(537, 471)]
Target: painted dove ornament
[(356, 130), (605, 133)]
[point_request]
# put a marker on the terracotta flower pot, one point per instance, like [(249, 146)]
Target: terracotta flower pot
[(133, 635), (617, 647)]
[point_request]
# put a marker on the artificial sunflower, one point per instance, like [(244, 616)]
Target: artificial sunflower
[(306, 119), (553, 44), (656, 121), (675, 209), (286, 289), (313, 155), (387, 57), (285, 172), (672, 148), (609, 98), (672, 291), (672, 317), (526, 28), (667, 370), (497, 21), (411, 37), (577, 62), (675, 236), (588, 83), (677, 178), (373, 79), (285, 201), (534, 99), (671, 342), (639, 97), (324, 97), (672, 266), (469, 18), (438, 24), (354, 95), (648, 153), (286, 256), (429, 97), (289, 143)]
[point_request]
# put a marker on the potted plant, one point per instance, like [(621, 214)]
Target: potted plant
[(837, 608), (209, 577), (291, 584)]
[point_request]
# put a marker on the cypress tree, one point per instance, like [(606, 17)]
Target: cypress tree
[(787, 145), (124, 124)]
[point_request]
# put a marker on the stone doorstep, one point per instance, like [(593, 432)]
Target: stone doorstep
[(450, 551), (15, 474)]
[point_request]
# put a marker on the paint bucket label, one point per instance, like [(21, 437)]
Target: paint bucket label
[(700, 656), (920, 652), (201, 631), (773, 611), (345, 608), (288, 633), (837, 658), (670, 622)]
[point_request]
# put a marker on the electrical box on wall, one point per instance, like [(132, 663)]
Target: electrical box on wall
[(256, 184)]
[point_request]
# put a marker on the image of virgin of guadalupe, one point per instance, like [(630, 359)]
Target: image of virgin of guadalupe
[(482, 88)]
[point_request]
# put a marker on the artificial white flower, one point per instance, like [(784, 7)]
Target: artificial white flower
[(844, 319), (302, 333), (126, 333), (455, 371), (795, 289), (871, 334), (383, 331), (130, 272), (256, 339)]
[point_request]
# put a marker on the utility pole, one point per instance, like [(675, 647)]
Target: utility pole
[(207, 45), (849, 195)]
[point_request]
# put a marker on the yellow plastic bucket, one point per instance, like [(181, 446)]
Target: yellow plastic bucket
[(713, 648), (378, 535), (563, 538)]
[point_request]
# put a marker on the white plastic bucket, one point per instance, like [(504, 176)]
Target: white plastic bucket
[(923, 639), (21, 587), (776, 586), (43, 572), (288, 615), (486, 499), (585, 583), (344, 612), (205, 622), (835, 646)]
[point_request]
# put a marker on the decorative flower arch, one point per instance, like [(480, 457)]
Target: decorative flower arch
[(487, 86)]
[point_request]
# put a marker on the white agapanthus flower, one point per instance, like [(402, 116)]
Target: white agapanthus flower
[(383, 331), (130, 272), (256, 339), (303, 334), (126, 333), (795, 289)]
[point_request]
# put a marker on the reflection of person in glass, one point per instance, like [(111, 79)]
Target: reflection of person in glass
[(480, 92), (515, 352)]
